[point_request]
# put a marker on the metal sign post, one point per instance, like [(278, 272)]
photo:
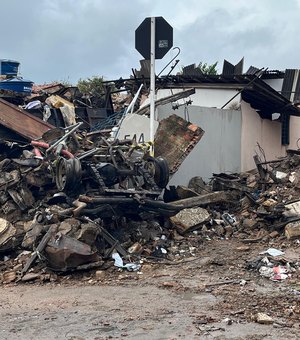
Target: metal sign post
[(152, 85), (153, 39)]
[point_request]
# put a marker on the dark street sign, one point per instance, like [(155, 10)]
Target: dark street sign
[(163, 38)]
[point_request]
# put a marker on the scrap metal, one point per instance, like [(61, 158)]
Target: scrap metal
[(21, 122)]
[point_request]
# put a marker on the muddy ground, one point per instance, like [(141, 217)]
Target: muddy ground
[(202, 297)]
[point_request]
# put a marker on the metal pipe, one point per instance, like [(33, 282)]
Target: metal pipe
[(46, 146), (131, 105), (76, 126), (152, 85)]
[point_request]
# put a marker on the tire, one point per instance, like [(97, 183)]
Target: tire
[(68, 174), (161, 171)]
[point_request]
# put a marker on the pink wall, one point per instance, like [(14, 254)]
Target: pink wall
[(255, 129)]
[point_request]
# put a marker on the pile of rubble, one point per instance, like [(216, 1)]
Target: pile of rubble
[(75, 201), (262, 203), (66, 195), (63, 105), (75, 198)]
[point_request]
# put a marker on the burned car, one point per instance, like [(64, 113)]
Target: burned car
[(105, 177)]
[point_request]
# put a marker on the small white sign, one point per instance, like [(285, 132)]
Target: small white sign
[(163, 43)]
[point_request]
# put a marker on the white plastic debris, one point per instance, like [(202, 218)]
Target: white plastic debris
[(266, 271), (131, 267), (118, 260), (281, 175), (273, 252)]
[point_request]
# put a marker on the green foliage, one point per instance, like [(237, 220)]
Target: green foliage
[(92, 86), (208, 69)]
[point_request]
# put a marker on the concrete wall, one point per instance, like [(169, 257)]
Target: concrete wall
[(257, 130), (219, 149)]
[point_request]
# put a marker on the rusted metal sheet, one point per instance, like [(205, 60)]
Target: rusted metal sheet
[(22, 122)]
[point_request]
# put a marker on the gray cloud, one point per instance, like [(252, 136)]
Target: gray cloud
[(68, 40)]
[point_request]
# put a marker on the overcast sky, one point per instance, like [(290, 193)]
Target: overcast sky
[(65, 40)]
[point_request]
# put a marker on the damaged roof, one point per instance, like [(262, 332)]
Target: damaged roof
[(255, 91)]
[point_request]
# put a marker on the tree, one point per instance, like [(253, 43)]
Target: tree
[(208, 69), (91, 86)]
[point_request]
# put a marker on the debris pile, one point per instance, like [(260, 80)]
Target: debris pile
[(62, 105), (274, 264), (67, 195), (73, 199), (72, 213), (252, 206)]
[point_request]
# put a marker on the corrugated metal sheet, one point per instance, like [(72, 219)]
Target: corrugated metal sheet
[(252, 70), (297, 89), (287, 84), (191, 70), (230, 69), (238, 68), (22, 122), (285, 129)]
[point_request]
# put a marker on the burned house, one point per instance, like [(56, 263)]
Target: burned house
[(241, 114), (78, 193)]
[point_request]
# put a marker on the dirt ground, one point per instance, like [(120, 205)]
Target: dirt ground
[(202, 297)]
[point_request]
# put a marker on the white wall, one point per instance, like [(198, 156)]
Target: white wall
[(208, 97), (219, 149), (136, 126)]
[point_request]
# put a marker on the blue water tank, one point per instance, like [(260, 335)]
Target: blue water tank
[(17, 84), (9, 67)]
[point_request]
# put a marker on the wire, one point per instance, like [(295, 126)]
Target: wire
[(262, 151)]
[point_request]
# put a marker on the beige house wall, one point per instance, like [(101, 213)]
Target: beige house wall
[(294, 133), (257, 130)]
